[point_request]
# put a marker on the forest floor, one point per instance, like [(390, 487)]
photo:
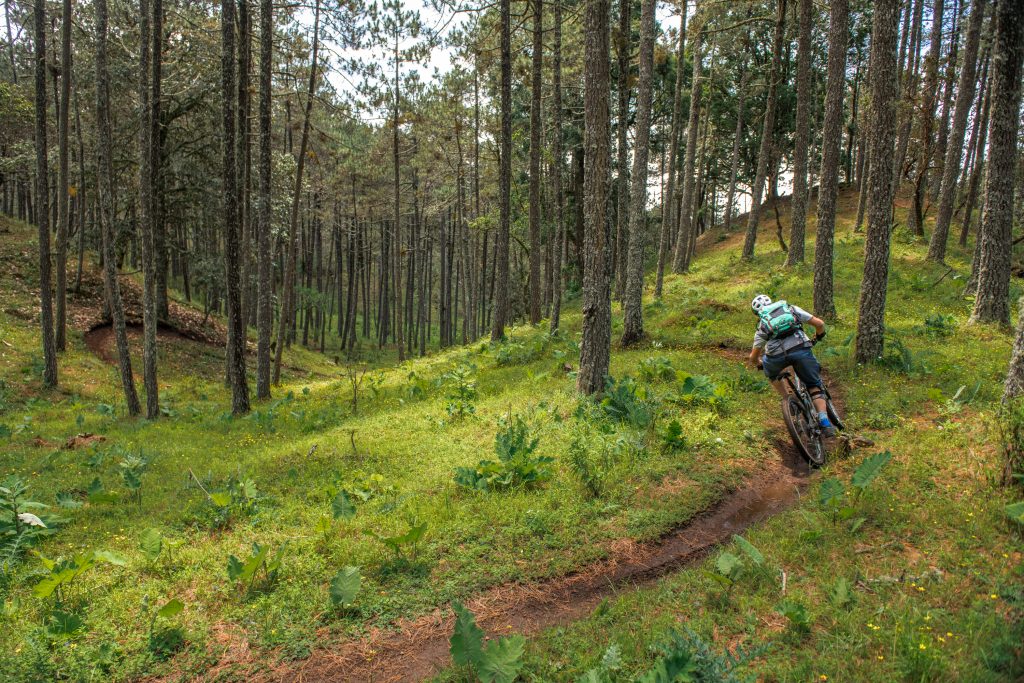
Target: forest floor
[(922, 583)]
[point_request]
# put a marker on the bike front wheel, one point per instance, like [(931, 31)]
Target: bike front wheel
[(804, 435)]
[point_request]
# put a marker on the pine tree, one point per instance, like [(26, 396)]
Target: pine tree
[(803, 133), (42, 199)]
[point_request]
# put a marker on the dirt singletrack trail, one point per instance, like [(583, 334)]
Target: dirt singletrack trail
[(415, 650), (419, 649)]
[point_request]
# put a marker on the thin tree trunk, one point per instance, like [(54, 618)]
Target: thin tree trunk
[(595, 345), (681, 260), (149, 320), (668, 224), (951, 166), (622, 194), (735, 163), (974, 182), (63, 195), (501, 253), (991, 304), (556, 176), (632, 303), (798, 206), (104, 170), (264, 255), (42, 200), (927, 121), (767, 132), (287, 307), (535, 152), (235, 323), (839, 18), (871, 320)]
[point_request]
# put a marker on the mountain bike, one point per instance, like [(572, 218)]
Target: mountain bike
[(802, 417)]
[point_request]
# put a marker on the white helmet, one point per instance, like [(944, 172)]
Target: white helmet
[(759, 302)]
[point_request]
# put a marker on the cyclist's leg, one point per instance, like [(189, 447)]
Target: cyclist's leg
[(773, 368), (809, 371)]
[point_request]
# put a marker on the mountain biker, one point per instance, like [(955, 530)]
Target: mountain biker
[(780, 342)]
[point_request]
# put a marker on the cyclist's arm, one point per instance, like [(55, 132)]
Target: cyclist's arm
[(755, 355), (818, 324)]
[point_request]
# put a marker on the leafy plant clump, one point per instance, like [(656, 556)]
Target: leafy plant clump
[(517, 465), (702, 390), (499, 662), (259, 570), (626, 401), (20, 527), (840, 503), (657, 369), (461, 392)]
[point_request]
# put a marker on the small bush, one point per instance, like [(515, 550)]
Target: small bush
[(657, 369), (701, 390), (517, 464), (627, 402)]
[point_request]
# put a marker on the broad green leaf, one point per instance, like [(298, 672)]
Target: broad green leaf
[(68, 501), (502, 660), (109, 558), (1015, 511), (345, 586), (342, 506), (220, 498), (727, 564), (172, 608), (749, 550), (467, 639), (151, 543), (831, 492), (857, 524), (64, 623), (234, 568), (677, 666), (869, 470)]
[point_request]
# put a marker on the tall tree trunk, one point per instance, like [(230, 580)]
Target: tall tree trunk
[(668, 224), (264, 254), (905, 115), (243, 158), (974, 181), (235, 323), (952, 58), (991, 304), (681, 260), (501, 254), (632, 303), (622, 194), (159, 134), (926, 125), (42, 200), (149, 319), (287, 307), (798, 220), (397, 224), (838, 33), (871, 320), (734, 165), (767, 133), (63, 195), (951, 166), (595, 346), (105, 171), (556, 176), (535, 151)]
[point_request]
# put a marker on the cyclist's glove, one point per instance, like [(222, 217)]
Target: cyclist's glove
[(818, 337)]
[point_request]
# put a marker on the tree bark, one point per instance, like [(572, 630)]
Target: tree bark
[(288, 288), (991, 303), (104, 169), (632, 302), (668, 224), (870, 335), (556, 176), (741, 97), (798, 219), (501, 254), (622, 193), (235, 323), (681, 260), (535, 152), (264, 255), (63, 194), (838, 33), (954, 151), (595, 346), (767, 132), (42, 200), (149, 320), (926, 124)]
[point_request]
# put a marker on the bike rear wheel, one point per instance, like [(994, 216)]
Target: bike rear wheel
[(805, 437)]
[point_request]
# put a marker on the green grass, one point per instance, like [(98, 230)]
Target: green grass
[(298, 451)]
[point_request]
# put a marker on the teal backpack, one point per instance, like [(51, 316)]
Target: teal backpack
[(779, 320)]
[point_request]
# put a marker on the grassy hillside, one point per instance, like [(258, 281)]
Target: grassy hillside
[(322, 484)]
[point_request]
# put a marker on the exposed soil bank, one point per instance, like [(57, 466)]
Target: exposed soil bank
[(418, 649)]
